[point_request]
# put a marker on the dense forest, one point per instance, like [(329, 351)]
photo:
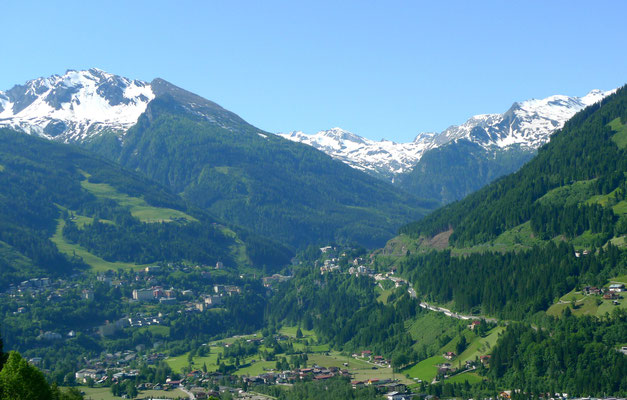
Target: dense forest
[(578, 356), (511, 285)]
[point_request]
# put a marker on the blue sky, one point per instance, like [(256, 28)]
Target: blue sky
[(386, 69)]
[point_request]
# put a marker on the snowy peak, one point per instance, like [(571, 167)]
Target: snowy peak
[(75, 105), (527, 124), (384, 157)]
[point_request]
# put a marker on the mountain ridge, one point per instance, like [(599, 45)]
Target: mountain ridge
[(212, 157), (527, 124)]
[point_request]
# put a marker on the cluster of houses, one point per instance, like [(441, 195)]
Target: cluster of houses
[(285, 377), (329, 265), (367, 355), (611, 293), (116, 365)]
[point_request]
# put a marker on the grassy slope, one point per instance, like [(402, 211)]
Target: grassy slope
[(427, 369), (620, 138), (138, 207), (587, 305)]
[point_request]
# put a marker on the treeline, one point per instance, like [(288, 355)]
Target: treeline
[(578, 355), (510, 285), (581, 150)]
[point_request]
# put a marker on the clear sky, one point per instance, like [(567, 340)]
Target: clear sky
[(381, 69)]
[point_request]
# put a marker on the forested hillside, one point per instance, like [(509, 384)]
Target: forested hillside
[(515, 246), (60, 203), (284, 190), (588, 149), (455, 170)]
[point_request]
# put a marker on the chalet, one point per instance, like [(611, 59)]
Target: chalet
[(610, 296), (474, 324), (617, 287), (507, 394), (591, 290), (485, 360), (366, 353), (449, 355)]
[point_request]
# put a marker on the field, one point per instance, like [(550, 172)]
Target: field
[(361, 369), (178, 362), (384, 294), (425, 370), (105, 394), (97, 264), (620, 137), (480, 346), (429, 327), (520, 237), (138, 207)]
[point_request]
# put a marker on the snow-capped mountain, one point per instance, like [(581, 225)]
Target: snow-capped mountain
[(76, 105), (528, 124), (385, 157)]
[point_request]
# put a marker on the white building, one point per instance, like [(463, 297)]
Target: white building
[(143, 294)]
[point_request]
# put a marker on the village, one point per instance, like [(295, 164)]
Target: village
[(150, 299)]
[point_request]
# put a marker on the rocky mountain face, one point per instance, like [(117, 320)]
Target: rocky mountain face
[(75, 106)]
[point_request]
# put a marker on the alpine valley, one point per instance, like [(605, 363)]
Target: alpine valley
[(156, 245)]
